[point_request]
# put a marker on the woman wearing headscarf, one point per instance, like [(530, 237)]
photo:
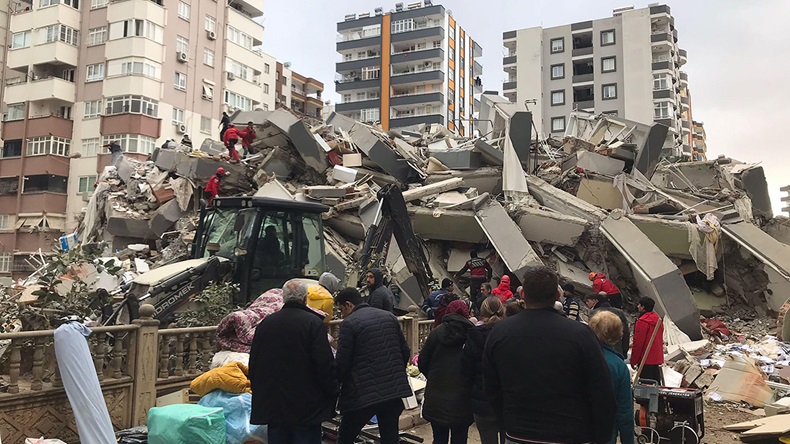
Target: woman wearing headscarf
[(491, 312), (446, 405)]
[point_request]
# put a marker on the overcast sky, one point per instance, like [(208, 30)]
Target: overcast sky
[(738, 58)]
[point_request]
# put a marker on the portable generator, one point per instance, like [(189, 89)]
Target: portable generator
[(668, 414)]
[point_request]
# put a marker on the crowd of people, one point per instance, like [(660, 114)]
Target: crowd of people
[(526, 367)]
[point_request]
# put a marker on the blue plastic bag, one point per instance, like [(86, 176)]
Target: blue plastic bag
[(237, 410)]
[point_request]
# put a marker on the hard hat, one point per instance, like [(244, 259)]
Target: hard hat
[(221, 171), (592, 275)]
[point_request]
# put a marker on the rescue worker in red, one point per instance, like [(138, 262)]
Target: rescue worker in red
[(602, 284), (247, 137), (212, 187), (643, 331), (479, 271), (231, 137)]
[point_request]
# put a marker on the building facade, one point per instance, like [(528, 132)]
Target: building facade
[(80, 74), (299, 93), (698, 144), (412, 65), (627, 64)]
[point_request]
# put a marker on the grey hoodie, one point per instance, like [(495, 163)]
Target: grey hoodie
[(330, 282)]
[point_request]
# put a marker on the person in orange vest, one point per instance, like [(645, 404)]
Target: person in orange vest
[(212, 187), (247, 137), (231, 137), (602, 284)]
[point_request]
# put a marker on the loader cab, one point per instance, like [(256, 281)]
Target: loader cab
[(268, 241)]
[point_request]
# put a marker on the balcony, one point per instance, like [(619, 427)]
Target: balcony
[(357, 64), (414, 99), (659, 66), (120, 10), (250, 8), (585, 105), (683, 77), (581, 78), (509, 86), (38, 17), (123, 84), (245, 88), (400, 122), (358, 23), (350, 85), (477, 50), (477, 69), (38, 126), (53, 53), (508, 35), (435, 54), (660, 37), (436, 76), (580, 26), (244, 23), (509, 60), (52, 88), (357, 105), (432, 33), (683, 56), (130, 124), (137, 47), (663, 94), (660, 9), (39, 200), (360, 40)]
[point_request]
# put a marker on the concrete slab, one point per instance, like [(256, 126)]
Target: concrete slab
[(447, 225), (125, 169), (460, 159), (274, 189), (594, 162), (600, 192), (521, 134), (670, 236), (433, 188), (347, 225), (491, 155), (576, 274), (486, 179), (778, 290), (123, 226), (164, 218), (322, 191), (657, 277), (311, 151), (277, 162), (548, 227), (506, 237), (563, 202), (768, 250)]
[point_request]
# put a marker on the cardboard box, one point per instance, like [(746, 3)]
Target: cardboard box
[(740, 380)]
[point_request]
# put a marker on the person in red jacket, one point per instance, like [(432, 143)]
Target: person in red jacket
[(212, 187), (602, 284), (643, 331), (247, 137), (502, 291), (231, 137)]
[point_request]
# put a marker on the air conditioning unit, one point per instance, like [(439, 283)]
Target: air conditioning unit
[(86, 196), (231, 76), (428, 64), (182, 57), (181, 129), (212, 35)]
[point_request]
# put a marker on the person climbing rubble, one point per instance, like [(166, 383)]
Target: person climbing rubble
[(231, 137), (116, 152), (479, 271), (212, 187), (223, 125), (602, 284), (247, 137)]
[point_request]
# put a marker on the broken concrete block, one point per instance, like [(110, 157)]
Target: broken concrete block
[(125, 169), (431, 189), (348, 225), (549, 227), (163, 195), (324, 191), (352, 160), (491, 155), (460, 159), (277, 162), (485, 180), (506, 236), (274, 189), (656, 276), (600, 192), (120, 225), (343, 174), (447, 225), (768, 250), (563, 202), (164, 218), (576, 274), (594, 162), (670, 236)]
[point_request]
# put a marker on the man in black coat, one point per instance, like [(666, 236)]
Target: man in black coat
[(600, 302), (379, 296), (292, 371), (371, 366), (546, 375)]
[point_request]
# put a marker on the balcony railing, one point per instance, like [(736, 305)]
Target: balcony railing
[(418, 26), (415, 71), (359, 35)]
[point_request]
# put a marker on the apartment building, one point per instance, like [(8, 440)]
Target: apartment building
[(698, 143), (412, 65), (299, 93), (627, 65), (80, 74)]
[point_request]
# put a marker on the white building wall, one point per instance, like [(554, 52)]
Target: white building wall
[(637, 62), (529, 76)]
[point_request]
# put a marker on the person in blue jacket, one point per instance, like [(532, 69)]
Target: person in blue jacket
[(609, 329)]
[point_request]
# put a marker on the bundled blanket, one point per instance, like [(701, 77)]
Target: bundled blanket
[(236, 330)]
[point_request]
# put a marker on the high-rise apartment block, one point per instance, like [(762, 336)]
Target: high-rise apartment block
[(627, 64), (699, 145), (412, 65), (299, 93), (82, 73)]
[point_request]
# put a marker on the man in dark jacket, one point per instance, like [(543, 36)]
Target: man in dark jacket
[(546, 375), (598, 302), (479, 272), (371, 366), (292, 371), (570, 305), (432, 302), (379, 296)]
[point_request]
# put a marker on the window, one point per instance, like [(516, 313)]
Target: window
[(402, 26), (607, 37), (136, 28), (92, 109), (184, 10), (208, 92), (5, 223), (12, 148), (182, 44), (5, 263), (239, 38), (237, 101), (39, 146), (95, 73), (451, 53), (608, 64), (266, 107), (241, 70), (609, 91), (452, 73), (210, 24), (557, 71), (181, 81), (266, 68), (97, 36), (15, 111), (86, 184), (451, 32), (96, 4), (557, 124), (662, 110), (660, 82), (20, 40), (208, 57), (557, 45), (132, 143), (90, 147), (205, 125), (178, 116), (370, 115), (558, 97), (132, 104), (133, 66), (63, 33)]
